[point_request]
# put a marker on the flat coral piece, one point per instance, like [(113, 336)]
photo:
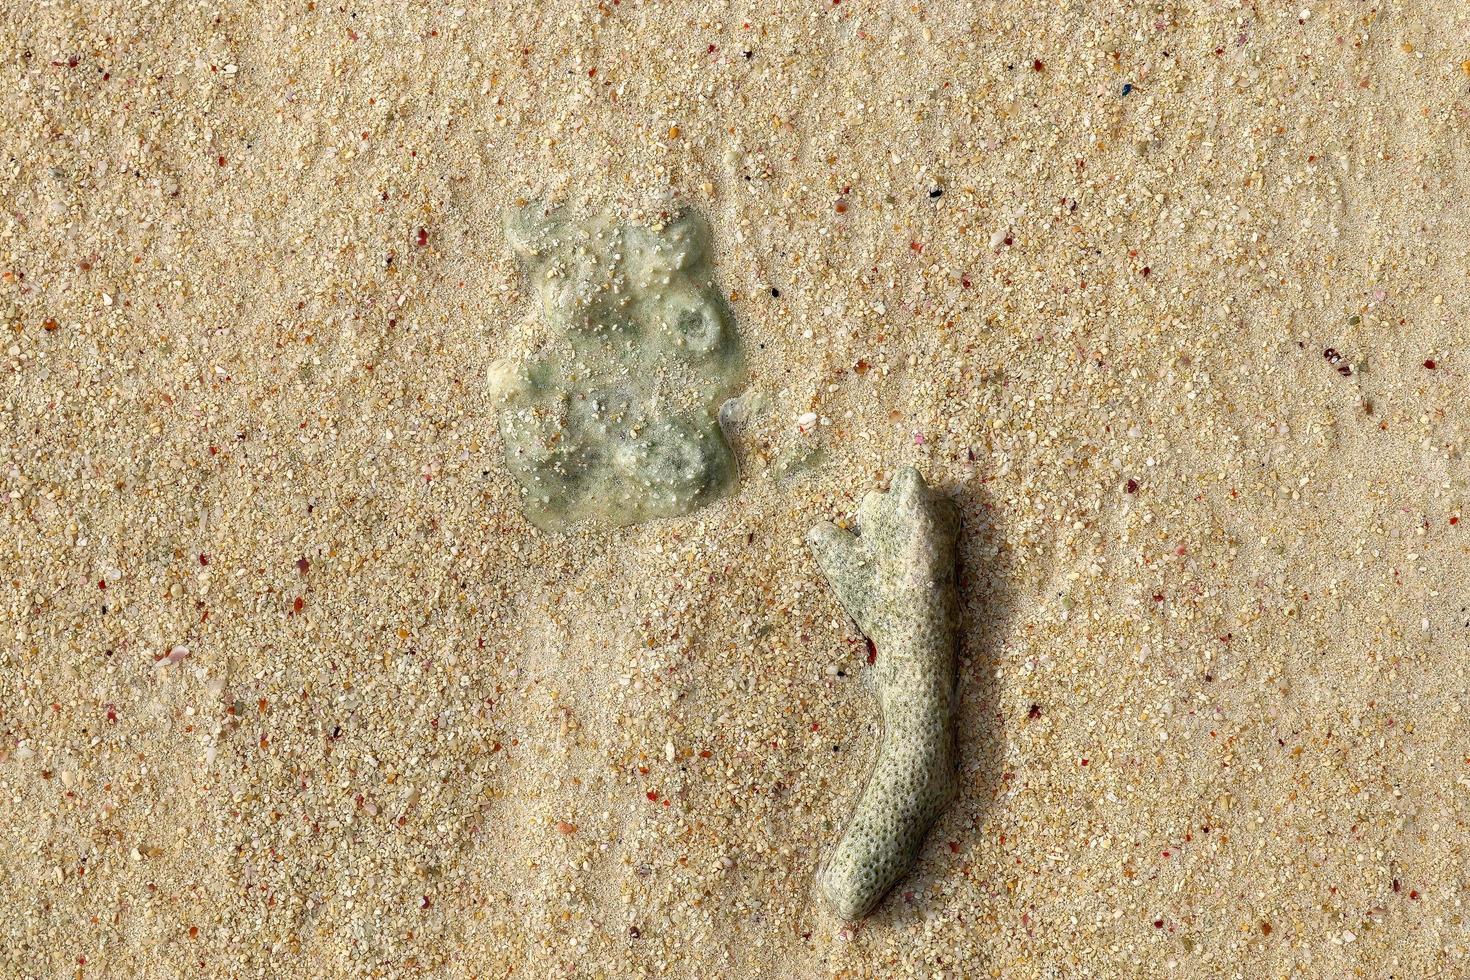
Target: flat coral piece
[(616, 417)]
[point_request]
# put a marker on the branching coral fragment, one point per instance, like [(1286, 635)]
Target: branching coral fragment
[(897, 580)]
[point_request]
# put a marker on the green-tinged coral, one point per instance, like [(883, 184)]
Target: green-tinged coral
[(896, 578), (616, 418)]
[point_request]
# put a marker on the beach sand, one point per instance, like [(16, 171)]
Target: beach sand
[(1169, 297)]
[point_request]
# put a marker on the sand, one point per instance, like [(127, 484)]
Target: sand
[(1170, 298)]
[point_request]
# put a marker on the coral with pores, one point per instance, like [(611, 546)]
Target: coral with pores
[(897, 580)]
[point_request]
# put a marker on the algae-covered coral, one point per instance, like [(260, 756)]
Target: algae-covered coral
[(616, 417), (896, 578)]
